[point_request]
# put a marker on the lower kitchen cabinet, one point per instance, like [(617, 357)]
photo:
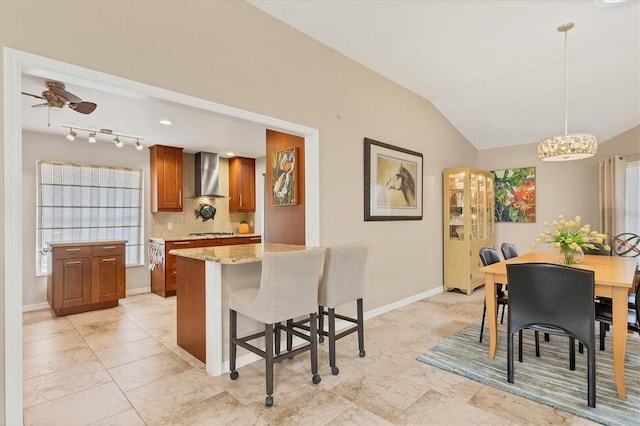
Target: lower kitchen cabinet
[(164, 275), (86, 276)]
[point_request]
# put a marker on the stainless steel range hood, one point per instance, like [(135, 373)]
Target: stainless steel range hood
[(207, 182)]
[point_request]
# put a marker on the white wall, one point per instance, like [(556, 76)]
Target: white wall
[(37, 146), (569, 188)]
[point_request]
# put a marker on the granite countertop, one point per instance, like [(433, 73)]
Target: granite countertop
[(200, 237), (84, 243), (242, 253)]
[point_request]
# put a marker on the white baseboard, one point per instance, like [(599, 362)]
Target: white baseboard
[(45, 305), (140, 290), (35, 307), (341, 324)]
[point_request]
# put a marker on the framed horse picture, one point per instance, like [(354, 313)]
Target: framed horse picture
[(392, 182)]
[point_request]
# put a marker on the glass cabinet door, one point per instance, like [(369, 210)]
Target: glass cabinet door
[(456, 206)]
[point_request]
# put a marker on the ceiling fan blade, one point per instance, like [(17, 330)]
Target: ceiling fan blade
[(70, 97), (46, 104), (29, 94), (83, 107)]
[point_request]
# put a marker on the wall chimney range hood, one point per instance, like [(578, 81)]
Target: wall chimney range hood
[(207, 182)]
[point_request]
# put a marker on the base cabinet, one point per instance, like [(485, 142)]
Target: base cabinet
[(86, 276), (164, 276)]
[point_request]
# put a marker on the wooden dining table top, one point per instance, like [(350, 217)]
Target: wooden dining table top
[(609, 270)]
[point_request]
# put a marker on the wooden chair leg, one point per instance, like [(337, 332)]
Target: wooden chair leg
[(520, 345), (289, 335), (572, 353), (537, 338)]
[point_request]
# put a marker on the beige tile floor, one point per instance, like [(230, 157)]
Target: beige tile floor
[(121, 366)]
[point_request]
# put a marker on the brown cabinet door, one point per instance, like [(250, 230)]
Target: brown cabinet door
[(108, 275), (242, 184), (170, 261), (73, 282), (166, 178)]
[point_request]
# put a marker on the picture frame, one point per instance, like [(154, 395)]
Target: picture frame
[(515, 195), (392, 182), (284, 174)]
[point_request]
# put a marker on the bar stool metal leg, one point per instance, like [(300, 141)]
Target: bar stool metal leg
[(268, 342), (332, 341), (313, 341), (233, 333), (360, 329), (320, 324)]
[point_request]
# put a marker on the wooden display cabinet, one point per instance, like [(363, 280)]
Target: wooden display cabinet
[(468, 216), (166, 178), (242, 184), (86, 276)]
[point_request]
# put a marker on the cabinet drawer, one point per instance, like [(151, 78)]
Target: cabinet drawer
[(211, 242), (71, 252), (170, 245), (108, 250)]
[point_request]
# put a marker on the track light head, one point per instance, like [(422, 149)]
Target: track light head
[(72, 135), (118, 142), (138, 145), (92, 137)]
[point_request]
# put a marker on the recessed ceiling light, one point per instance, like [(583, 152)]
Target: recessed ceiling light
[(166, 122), (230, 154)]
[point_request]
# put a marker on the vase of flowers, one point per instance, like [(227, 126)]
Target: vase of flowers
[(571, 238)]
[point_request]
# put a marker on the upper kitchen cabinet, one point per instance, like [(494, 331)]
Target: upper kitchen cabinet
[(242, 184), (166, 178)]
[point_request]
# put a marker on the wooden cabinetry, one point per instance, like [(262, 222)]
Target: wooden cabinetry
[(166, 178), (242, 184), (468, 225), (164, 276), (86, 276)]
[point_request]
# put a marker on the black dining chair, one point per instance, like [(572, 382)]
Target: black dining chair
[(489, 256), (604, 316), (538, 295), (508, 250)]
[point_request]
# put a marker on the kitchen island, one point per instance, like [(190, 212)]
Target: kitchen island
[(205, 278)]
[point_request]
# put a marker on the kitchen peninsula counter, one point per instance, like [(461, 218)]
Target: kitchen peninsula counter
[(205, 279)]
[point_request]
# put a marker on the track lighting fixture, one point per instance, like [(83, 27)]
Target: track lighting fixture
[(94, 132), (72, 135)]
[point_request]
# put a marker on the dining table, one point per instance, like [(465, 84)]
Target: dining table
[(613, 279)]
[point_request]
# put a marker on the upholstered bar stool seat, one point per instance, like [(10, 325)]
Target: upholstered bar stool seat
[(288, 289), (342, 282)]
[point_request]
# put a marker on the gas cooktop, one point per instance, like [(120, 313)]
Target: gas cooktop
[(211, 234)]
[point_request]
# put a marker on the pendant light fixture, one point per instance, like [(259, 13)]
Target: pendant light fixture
[(570, 146)]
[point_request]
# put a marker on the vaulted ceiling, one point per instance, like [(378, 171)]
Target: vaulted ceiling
[(494, 68)]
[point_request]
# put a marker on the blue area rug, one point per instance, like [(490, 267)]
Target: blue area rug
[(547, 379)]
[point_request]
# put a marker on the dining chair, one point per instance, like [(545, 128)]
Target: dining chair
[(604, 316), (489, 256), (538, 295), (342, 282), (508, 250), (288, 289)]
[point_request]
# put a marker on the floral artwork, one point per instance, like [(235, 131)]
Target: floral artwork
[(515, 192), (283, 172)]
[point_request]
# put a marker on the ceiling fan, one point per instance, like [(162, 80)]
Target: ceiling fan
[(56, 96)]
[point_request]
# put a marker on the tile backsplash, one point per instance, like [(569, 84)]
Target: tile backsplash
[(185, 222)]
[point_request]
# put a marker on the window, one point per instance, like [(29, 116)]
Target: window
[(77, 202), (632, 199)]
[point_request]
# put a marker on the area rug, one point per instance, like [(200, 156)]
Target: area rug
[(546, 379)]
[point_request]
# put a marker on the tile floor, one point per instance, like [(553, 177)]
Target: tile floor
[(121, 366)]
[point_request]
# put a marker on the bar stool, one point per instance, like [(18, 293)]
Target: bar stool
[(341, 283), (288, 289)]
